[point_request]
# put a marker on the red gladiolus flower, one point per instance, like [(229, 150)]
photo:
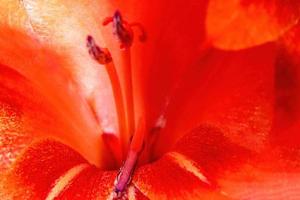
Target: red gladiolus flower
[(196, 99)]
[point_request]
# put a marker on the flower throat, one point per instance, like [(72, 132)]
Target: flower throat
[(132, 134)]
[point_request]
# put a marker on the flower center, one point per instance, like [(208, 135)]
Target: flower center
[(132, 134)]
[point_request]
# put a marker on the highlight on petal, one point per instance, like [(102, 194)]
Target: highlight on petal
[(13, 14), (53, 108), (64, 25), (238, 24)]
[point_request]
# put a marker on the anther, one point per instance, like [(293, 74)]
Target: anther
[(101, 55), (123, 30)]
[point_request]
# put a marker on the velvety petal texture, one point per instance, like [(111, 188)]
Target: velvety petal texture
[(203, 165)]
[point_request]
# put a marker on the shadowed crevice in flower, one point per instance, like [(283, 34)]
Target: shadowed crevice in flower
[(287, 108)]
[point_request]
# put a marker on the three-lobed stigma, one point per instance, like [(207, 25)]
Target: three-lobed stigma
[(123, 30)]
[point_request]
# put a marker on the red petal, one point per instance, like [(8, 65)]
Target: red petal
[(229, 90), (212, 151), (287, 108), (237, 24), (203, 165), (240, 173), (166, 179), (156, 67), (33, 175), (51, 170), (90, 184), (175, 37)]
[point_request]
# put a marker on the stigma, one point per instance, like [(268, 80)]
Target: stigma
[(123, 30)]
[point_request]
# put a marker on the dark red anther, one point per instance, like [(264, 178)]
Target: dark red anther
[(101, 55), (123, 30)]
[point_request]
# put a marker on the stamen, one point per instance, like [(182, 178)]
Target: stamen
[(119, 101), (101, 55), (123, 30), (128, 93)]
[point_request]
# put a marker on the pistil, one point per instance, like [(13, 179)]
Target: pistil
[(123, 31), (128, 93)]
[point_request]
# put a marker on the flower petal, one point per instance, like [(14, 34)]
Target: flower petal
[(167, 179), (231, 90), (175, 38), (65, 25), (203, 165), (238, 24), (50, 170), (14, 15), (150, 61), (238, 172), (35, 172), (64, 114), (287, 106)]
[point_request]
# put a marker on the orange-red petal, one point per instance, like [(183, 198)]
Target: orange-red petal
[(51, 103), (238, 24), (239, 173), (34, 174), (64, 25), (232, 90), (286, 124), (175, 39)]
